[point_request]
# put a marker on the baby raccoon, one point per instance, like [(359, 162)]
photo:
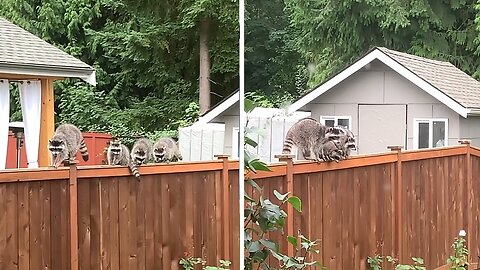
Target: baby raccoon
[(338, 150), (118, 154), (65, 144), (142, 151), (348, 141), (166, 150), (309, 135)]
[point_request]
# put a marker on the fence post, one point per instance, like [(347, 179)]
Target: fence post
[(73, 188), (289, 188), (397, 203), (226, 206), (469, 198)]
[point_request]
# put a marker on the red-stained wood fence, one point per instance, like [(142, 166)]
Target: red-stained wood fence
[(400, 203), (96, 142), (100, 217)]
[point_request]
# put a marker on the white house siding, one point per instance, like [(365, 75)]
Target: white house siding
[(379, 84), (470, 129)]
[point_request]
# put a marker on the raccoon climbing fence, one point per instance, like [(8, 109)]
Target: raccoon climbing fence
[(101, 217)]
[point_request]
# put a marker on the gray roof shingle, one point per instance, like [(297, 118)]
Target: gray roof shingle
[(442, 75), (19, 47)]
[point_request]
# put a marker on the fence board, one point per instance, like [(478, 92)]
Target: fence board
[(377, 205)]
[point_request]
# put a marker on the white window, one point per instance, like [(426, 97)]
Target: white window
[(331, 121), (430, 132)]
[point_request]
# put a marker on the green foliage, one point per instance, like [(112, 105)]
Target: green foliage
[(273, 65), (459, 258), (331, 34), (190, 263), (262, 216), (145, 54), (376, 261)]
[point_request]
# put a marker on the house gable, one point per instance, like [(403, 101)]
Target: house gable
[(223, 108), (377, 54)]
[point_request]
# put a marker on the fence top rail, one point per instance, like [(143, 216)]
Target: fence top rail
[(93, 171), (305, 166)]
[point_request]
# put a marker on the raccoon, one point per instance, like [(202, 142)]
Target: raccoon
[(347, 140), (65, 144), (142, 151), (338, 150), (308, 135), (166, 150), (118, 154)]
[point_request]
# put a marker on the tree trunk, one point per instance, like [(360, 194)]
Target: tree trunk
[(204, 97)]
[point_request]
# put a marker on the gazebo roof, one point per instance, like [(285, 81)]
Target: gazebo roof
[(24, 53)]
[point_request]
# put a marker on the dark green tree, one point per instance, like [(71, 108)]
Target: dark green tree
[(331, 34), (146, 59), (273, 66)]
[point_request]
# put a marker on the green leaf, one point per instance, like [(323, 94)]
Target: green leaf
[(250, 142), (296, 203), (280, 197), (254, 246), (260, 255), (248, 105), (292, 240), (269, 244), (418, 260), (259, 165)]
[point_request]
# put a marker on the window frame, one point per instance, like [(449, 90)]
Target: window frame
[(335, 119), (417, 121)]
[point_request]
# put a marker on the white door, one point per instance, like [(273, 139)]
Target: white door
[(380, 126)]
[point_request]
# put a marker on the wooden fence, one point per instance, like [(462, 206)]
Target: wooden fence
[(403, 203), (100, 217)]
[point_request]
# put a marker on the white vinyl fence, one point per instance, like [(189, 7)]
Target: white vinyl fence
[(201, 143)]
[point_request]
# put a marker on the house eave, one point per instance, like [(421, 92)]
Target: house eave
[(474, 112), (85, 73)]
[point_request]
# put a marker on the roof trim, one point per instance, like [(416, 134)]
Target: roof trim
[(217, 110), (84, 74), (376, 53)]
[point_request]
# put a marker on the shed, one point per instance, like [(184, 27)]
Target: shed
[(388, 98), (34, 64), (226, 112)]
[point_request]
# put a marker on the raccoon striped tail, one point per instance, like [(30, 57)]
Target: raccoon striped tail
[(287, 146), (84, 150), (134, 169)]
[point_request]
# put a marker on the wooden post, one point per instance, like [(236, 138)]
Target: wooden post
[(397, 201), (469, 200), (73, 188), (226, 206), (290, 227), (47, 124)]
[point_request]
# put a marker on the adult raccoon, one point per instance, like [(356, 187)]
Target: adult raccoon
[(118, 154), (340, 149), (142, 151), (166, 150), (65, 144), (308, 135)]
